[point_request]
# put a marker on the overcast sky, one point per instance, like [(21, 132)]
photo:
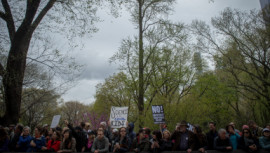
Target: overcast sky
[(103, 44)]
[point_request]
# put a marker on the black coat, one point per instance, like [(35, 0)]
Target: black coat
[(221, 145), (242, 145), (210, 139), (166, 145), (200, 142)]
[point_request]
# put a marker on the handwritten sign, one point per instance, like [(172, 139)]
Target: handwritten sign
[(55, 121), (118, 117), (158, 114)]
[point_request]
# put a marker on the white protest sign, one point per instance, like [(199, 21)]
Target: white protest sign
[(55, 121), (118, 117)]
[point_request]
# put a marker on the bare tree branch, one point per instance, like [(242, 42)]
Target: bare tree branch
[(42, 14), (2, 70), (9, 19)]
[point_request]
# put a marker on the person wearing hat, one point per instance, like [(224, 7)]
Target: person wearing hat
[(184, 139), (265, 139)]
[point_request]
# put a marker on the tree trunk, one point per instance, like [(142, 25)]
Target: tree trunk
[(141, 68), (13, 78)]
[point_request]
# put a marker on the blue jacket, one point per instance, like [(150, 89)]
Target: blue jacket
[(24, 143), (234, 140), (4, 147), (40, 142), (264, 142)]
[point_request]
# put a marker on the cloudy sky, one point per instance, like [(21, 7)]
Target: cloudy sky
[(98, 49)]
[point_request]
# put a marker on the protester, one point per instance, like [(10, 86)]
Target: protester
[(211, 135), (236, 130), (122, 143), (265, 139), (54, 143), (234, 136), (222, 142), (115, 135), (24, 140), (255, 129), (38, 141), (244, 127), (11, 132), (90, 141), (80, 137), (166, 144), (106, 129), (13, 142), (184, 139), (247, 142), (200, 139), (156, 141), (4, 139), (141, 142), (101, 143), (131, 134), (68, 143)]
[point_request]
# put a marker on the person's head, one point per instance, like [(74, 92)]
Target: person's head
[(67, 134), (82, 125), (163, 126), (212, 126), (252, 124), (245, 127), (141, 133), (91, 135), (46, 126), (197, 129), (87, 126), (100, 134), (232, 124), (222, 134), (115, 132), (246, 133), (26, 130), (11, 127), (166, 134), (56, 135), (123, 131), (157, 135), (50, 132), (64, 129), (38, 131), (230, 129), (147, 131), (19, 128), (103, 125), (266, 132), (182, 126), (130, 126), (78, 129)]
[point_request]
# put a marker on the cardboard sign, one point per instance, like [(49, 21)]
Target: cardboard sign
[(55, 121), (118, 117), (158, 114)]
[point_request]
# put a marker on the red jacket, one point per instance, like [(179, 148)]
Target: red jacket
[(55, 145)]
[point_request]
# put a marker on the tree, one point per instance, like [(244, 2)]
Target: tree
[(38, 107), (145, 14), (242, 40), (20, 30)]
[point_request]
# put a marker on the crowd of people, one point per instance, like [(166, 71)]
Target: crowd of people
[(250, 138)]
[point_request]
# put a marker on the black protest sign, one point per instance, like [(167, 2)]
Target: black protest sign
[(158, 114)]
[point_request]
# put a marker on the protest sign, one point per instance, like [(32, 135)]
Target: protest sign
[(158, 114), (55, 121), (118, 117)]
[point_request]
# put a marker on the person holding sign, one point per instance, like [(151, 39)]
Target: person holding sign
[(122, 142), (101, 143)]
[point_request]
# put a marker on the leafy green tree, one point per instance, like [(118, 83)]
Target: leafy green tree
[(246, 37)]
